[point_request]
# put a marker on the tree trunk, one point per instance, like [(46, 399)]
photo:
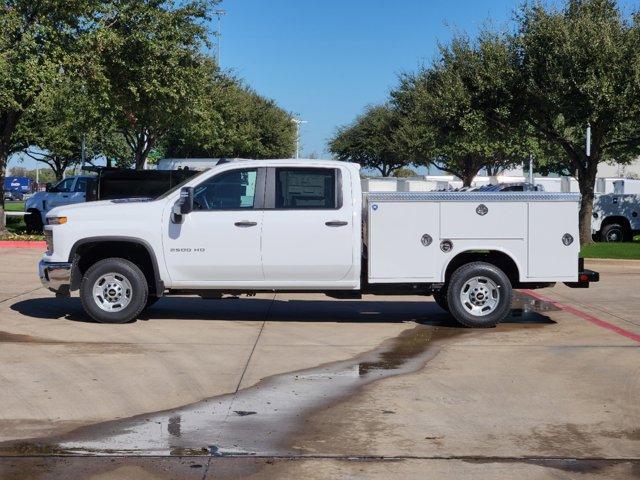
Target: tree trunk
[(467, 179), (586, 182)]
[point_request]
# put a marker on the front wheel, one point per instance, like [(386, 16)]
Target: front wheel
[(479, 295), (113, 290)]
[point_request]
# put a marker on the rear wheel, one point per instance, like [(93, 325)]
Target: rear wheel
[(113, 290), (479, 295), (614, 232)]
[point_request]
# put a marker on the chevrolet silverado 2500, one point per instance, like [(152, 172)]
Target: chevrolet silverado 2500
[(304, 225)]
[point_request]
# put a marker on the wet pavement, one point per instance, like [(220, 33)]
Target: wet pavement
[(303, 386)]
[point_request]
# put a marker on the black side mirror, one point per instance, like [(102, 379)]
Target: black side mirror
[(47, 186), (184, 205), (186, 200)]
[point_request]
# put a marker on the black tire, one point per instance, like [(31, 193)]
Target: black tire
[(614, 232), (441, 298), (121, 268), (33, 222), (493, 283)]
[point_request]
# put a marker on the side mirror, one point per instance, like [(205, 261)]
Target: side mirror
[(184, 205), (186, 200), (47, 187)]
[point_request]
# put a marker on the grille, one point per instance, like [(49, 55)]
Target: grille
[(48, 237)]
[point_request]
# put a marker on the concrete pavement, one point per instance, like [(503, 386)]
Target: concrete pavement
[(383, 388)]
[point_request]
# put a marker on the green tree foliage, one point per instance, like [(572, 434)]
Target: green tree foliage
[(447, 104), (151, 67), (579, 65), (231, 120), (40, 42), (60, 122), (378, 139), (405, 172)]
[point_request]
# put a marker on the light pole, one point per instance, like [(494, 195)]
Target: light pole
[(297, 121), (219, 13)]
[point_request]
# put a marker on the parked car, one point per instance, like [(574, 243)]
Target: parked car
[(13, 195), (304, 225), (616, 217), (65, 192)]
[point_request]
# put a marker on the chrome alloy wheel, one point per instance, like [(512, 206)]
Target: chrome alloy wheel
[(112, 292), (480, 296)]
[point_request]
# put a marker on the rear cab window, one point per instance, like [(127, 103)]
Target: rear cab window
[(307, 188)]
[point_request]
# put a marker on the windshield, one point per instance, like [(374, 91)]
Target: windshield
[(178, 186)]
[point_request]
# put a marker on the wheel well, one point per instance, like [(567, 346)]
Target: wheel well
[(500, 259), (89, 253), (623, 221)]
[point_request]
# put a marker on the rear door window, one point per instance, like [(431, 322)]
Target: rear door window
[(306, 188)]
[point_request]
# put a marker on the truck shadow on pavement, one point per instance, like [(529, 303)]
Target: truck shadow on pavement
[(426, 312)]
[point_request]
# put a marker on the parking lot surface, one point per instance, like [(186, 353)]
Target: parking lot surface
[(303, 386)]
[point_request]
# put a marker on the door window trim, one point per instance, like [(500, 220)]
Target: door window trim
[(259, 196), (270, 192)]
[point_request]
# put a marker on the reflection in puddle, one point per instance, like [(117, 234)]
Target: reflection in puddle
[(260, 419)]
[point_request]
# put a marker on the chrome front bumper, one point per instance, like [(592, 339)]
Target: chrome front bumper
[(56, 276)]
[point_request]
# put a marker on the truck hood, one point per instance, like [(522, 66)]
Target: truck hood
[(107, 209)]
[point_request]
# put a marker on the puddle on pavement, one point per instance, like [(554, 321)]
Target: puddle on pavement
[(255, 420), (260, 419)]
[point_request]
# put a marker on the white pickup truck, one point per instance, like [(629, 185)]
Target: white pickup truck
[(304, 225)]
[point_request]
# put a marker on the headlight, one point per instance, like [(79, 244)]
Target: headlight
[(56, 220)]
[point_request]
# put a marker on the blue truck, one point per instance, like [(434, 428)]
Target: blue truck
[(18, 184)]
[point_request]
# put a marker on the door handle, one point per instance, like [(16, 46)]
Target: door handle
[(245, 224), (336, 223)]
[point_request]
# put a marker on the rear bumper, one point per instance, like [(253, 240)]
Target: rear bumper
[(585, 276), (56, 276)]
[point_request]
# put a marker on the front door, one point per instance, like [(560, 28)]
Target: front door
[(218, 243), (307, 233)]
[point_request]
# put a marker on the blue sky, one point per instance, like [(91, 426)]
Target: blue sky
[(326, 60)]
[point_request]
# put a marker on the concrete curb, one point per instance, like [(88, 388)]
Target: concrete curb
[(23, 244), (613, 261)]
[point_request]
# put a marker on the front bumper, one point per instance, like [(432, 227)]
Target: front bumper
[(56, 276)]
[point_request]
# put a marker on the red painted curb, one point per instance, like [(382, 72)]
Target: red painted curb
[(586, 316), (23, 244)]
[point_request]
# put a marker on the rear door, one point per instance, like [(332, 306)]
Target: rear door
[(307, 233)]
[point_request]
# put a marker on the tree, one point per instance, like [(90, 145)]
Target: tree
[(151, 65), (447, 106), (61, 127), (377, 139), (578, 66), (405, 172), (231, 120), (38, 45)]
